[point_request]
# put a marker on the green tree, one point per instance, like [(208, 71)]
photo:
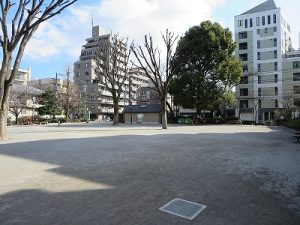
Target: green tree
[(204, 66), (50, 104)]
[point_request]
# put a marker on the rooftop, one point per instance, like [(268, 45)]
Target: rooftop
[(268, 5)]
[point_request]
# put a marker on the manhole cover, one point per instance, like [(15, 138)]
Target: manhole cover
[(185, 209)]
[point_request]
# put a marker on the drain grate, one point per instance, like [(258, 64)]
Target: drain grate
[(185, 209)]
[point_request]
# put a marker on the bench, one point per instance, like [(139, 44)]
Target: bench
[(297, 137)]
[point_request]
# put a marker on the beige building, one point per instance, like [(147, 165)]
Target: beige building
[(97, 100), (44, 83), (23, 76), (263, 38)]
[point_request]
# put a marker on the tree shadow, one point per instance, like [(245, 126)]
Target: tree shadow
[(124, 179)]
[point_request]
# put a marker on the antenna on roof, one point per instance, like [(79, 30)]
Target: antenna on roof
[(92, 18)]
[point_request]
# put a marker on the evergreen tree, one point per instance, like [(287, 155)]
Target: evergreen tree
[(49, 102)]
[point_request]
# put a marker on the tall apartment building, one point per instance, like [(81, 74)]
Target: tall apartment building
[(97, 100), (264, 45)]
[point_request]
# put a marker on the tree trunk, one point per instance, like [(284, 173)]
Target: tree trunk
[(164, 120), (17, 119), (116, 112), (3, 121)]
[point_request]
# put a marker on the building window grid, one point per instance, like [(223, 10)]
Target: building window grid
[(259, 91), (276, 91), (276, 103), (257, 21)]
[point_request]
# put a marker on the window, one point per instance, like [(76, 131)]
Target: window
[(263, 20), (259, 103), (86, 73), (258, 56), (275, 78), (257, 21), (244, 92), (296, 76), (274, 29), (244, 80), (87, 81), (258, 31), (297, 102), (251, 23), (275, 66), (242, 35), (296, 89), (244, 57), (77, 74), (258, 44), (243, 46), (259, 91), (275, 42), (78, 65), (266, 30), (276, 91), (274, 18), (246, 23), (296, 64), (259, 79), (275, 54), (245, 68), (276, 103), (244, 104), (240, 23), (269, 19), (259, 67), (86, 65)]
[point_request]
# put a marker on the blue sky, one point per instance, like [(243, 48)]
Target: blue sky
[(57, 43)]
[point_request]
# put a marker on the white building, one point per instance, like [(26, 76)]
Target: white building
[(263, 38), (97, 100)]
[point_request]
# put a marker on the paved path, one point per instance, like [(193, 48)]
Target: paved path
[(94, 174)]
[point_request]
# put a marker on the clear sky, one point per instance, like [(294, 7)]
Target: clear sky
[(57, 44)]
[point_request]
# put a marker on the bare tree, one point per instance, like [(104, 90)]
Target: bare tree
[(20, 96), (18, 102), (69, 95), (26, 16), (111, 67), (149, 59)]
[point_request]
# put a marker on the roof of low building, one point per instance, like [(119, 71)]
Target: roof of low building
[(19, 88), (152, 108), (267, 5)]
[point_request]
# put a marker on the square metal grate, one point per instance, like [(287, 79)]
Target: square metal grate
[(183, 208)]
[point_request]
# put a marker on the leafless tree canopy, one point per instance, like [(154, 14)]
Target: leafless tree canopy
[(18, 21), (69, 95), (111, 67), (158, 71), (19, 97)]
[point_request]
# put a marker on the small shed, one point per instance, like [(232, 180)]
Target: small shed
[(150, 114)]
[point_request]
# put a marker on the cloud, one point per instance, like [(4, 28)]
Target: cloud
[(65, 34)]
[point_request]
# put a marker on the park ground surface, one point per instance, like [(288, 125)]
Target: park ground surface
[(97, 174)]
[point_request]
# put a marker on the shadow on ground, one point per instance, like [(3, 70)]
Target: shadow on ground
[(242, 178)]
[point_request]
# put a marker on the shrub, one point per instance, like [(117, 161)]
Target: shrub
[(248, 122), (291, 123)]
